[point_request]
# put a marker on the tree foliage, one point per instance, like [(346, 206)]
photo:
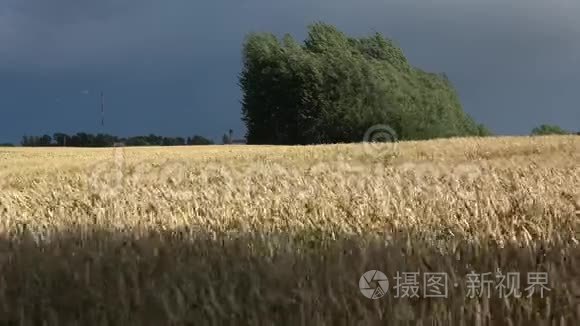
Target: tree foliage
[(546, 129), (332, 88), (198, 140), (83, 139)]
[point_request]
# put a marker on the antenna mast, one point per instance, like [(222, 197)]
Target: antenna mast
[(102, 110)]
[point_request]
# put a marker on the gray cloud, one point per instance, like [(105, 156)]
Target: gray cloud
[(76, 32), (508, 60), (64, 12)]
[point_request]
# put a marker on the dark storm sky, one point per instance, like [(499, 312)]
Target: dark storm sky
[(170, 67)]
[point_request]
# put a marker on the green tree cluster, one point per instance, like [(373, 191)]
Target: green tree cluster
[(332, 88), (547, 129)]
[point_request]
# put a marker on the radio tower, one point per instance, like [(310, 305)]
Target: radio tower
[(103, 111)]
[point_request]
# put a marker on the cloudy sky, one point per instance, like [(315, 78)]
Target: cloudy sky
[(170, 67)]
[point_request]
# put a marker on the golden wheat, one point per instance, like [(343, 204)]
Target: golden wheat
[(274, 234)]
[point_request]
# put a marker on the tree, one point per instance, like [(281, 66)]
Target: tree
[(167, 141), (35, 140), (547, 129), (61, 139), (199, 140), (482, 131), (84, 140), (25, 141), (105, 140), (179, 141), (154, 140), (45, 140), (333, 88), (137, 141), (226, 139)]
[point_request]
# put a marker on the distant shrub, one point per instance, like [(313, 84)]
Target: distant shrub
[(549, 130)]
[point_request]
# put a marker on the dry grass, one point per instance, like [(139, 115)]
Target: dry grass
[(253, 234)]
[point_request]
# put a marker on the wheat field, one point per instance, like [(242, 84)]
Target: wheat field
[(281, 235)]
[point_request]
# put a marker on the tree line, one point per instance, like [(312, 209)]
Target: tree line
[(83, 139), (103, 140)]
